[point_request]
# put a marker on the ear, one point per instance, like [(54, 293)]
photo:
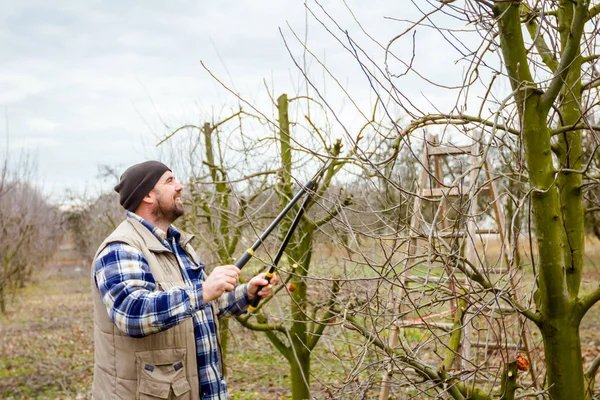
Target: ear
[(149, 199)]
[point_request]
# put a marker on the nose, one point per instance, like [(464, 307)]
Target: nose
[(178, 186)]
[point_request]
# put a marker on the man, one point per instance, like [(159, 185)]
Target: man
[(155, 309)]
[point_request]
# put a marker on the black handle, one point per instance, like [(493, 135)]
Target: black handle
[(281, 250), (243, 260), (254, 302)]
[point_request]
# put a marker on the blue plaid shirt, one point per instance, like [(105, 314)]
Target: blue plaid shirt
[(138, 309)]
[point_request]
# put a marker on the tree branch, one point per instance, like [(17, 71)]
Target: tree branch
[(261, 327), (455, 119), (588, 301), (569, 53), (594, 11), (576, 127), (547, 55), (333, 213), (456, 390), (513, 49)]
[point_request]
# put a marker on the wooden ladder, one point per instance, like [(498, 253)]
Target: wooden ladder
[(431, 188)]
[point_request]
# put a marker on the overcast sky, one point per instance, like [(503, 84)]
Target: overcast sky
[(92, 82)]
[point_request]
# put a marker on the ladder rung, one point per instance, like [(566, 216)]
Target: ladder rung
[(432, 193), (462, 233), (487, 231), (416, 324), (433, 279), (436, 193), (433, 150), (499, 346)]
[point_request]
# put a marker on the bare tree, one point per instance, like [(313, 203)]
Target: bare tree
[(234, 195), (91, 221), (545, 53), (220, 193), (30, 228)]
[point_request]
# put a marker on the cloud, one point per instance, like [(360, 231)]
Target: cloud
[(42, 125), (87, 83)]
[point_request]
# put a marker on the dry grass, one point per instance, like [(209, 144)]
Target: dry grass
[(46, 348)]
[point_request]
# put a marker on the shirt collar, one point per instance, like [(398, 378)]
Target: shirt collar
[(163, 236)]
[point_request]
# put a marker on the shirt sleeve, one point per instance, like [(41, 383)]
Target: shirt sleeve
[(233, 303), (128, 290)]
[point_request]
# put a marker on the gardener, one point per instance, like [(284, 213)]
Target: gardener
[(155, 309)]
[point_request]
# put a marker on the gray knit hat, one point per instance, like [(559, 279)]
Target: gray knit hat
[(137, 181)]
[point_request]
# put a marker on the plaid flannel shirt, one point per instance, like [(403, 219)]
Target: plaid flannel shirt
[(128, 290)]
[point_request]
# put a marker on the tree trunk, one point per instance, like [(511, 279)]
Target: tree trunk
[(299, 353), (300, 357), (224, 339), (559, 327), (299, 373), (562, 350)]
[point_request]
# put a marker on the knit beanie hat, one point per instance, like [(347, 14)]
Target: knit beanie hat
[(137, 181)]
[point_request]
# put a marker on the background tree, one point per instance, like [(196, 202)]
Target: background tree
[(30, 227), (91, 221)]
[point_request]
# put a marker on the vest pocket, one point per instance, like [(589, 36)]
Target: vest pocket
[(162, 375)]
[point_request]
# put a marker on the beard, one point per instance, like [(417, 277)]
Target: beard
[(168, 211)]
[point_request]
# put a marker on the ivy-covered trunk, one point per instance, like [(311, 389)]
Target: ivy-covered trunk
[(296, 339), (210, 207), (562, 349), (299, 373), (556, 200), (299, 250), (300, 346), (558, 327)]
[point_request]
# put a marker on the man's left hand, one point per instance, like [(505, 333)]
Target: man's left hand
[(265, 286)]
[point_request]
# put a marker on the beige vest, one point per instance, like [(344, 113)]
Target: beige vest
[(158, 366)]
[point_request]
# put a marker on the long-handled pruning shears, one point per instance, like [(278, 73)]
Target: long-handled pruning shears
[(280, 252), (242, 261)]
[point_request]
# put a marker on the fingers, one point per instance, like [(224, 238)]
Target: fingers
[(261, 286), (265, 292), (222, 279), (227, 276), (274, 280), (261, 282), (227, 270)]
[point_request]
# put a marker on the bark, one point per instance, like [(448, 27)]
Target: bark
[(509, 381), (570, 153), (224, 341), (562, 349), (299, 372), (303, 336), (300, 360), (556, 200)]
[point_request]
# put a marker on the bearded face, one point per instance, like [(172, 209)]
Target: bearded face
[(169, 206)]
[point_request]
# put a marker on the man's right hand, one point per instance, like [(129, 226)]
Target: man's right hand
[(222, 279)]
